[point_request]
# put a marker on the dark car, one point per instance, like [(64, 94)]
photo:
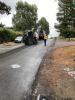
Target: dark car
[(29, 38)]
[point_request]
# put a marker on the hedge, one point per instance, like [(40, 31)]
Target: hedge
[(8, 35)]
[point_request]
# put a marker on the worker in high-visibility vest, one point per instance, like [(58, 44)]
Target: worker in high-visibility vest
[(45, 38)]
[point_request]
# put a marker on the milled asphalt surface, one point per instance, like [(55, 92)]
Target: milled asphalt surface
[(18, 70)]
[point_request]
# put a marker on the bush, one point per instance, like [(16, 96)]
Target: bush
[(8, 35)]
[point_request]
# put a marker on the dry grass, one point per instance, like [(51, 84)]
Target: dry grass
[(57, 73)]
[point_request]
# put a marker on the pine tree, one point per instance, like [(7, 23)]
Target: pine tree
[(66, 18)]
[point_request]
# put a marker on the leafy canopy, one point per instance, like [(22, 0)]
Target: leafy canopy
[(25, 17), (44, 24), (4, 8)]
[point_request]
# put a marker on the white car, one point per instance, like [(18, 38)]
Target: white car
[(19, 39)]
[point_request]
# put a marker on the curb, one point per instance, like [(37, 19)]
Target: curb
[(12, 50)]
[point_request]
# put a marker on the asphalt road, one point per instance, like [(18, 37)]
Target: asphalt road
[(17, 70)]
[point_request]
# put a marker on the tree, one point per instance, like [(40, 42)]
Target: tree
[(1, 25), (4, 8), (25, 17), (44, 24), (66, 18)]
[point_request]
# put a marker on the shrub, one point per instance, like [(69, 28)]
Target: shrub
[(8, 35)]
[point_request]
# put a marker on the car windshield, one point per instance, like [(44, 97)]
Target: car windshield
[(19, 37)]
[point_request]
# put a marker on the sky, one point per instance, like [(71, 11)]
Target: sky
[(46, 8)]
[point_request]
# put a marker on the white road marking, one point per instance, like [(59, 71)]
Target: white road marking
[(15, 66)]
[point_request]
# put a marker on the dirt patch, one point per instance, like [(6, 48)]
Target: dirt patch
[(56, 76), (9, 44)]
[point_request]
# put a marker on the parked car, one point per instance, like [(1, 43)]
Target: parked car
[(19, 39)]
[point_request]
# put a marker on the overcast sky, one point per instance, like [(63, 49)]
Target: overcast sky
[(46, 8)]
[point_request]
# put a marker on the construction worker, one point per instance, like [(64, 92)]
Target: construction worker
[(45, 38)]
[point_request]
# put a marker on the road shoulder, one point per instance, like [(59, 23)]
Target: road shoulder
[(56, 75)]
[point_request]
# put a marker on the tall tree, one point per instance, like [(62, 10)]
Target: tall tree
[(4, 8), (25, 17), (44, 24), (66, 17), (1, 25)]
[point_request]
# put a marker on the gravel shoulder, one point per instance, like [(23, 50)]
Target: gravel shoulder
[(56, 76)]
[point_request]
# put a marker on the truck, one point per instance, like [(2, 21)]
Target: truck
[(40, 32), (30, 38)]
